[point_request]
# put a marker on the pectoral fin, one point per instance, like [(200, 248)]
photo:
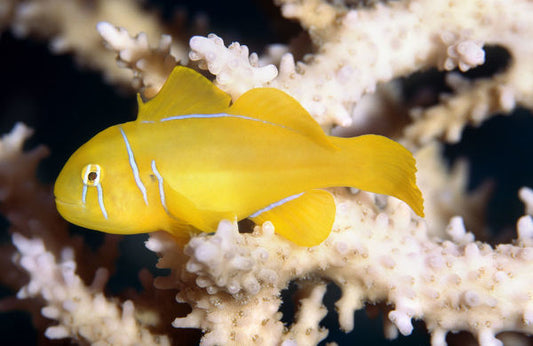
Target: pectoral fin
[(305, 219), (181, 231), (186, 211)]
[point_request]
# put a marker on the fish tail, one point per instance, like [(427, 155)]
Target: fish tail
[(377, 164)]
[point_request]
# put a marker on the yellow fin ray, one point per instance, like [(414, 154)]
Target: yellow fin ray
[(275, 106), (185, 211), (185, 92), (305, 220), (378, 164), (181, 232)]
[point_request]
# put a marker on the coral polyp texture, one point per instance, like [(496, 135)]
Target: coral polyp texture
[(347, 68)]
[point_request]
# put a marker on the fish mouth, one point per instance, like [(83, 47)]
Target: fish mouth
[(67, 209), (71, 211), (67, 204)]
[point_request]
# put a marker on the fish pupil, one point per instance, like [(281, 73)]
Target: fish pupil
[(92, 176)]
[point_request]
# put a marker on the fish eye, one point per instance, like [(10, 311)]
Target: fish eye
[(91, 175)]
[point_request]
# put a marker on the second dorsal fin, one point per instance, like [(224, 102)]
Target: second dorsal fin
[(277, 107), (185, 92)]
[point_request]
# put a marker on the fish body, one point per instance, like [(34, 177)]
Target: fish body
[(191, 159)]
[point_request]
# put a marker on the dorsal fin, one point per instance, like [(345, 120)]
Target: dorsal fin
[(185, 92), (277, 107)]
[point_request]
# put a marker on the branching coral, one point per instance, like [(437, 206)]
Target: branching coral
[(69, 26), (446, 194), (356, 49), (372, 256), (82, 311), (379, 252), (136, 54)]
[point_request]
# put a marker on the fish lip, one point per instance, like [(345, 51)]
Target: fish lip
[(69, 204)]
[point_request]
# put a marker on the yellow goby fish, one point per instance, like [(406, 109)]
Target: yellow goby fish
[(191, 159)]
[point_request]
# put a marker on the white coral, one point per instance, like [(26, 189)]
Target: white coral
[(236, 69), (83, 312), (360, 48), (372, 256), (243, 269), (11, 143), (70, 28), (151, 65), (526, 195), (378, 252)]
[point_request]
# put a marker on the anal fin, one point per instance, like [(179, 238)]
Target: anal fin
[(305, 220)]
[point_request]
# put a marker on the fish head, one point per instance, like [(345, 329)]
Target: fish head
[(96, 190)]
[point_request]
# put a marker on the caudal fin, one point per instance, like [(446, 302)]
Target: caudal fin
[(378, 164)]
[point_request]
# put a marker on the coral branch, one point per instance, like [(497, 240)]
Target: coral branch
[(83, 313), (237, 71), (446, 195), (359, 48), (151, 66), (373, 256), (70, 28), (378, 253), (526, 195), (27, 204)]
